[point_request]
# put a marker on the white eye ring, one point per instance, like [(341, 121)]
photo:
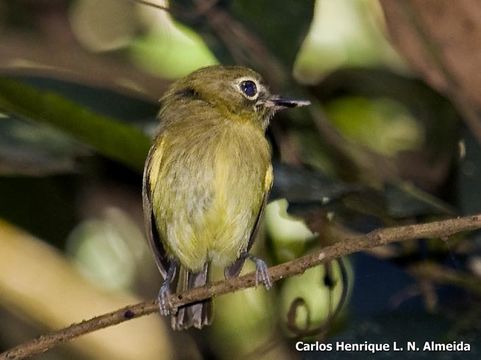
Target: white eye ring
[(248, 87)]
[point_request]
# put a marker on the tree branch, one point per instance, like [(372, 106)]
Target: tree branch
[(348, 246)]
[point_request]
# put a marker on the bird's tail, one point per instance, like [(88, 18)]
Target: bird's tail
[(197, 314)]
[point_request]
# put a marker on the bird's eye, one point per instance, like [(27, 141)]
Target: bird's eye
[(249, 88)]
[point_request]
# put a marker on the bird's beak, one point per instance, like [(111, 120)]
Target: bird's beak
[(279, 103)]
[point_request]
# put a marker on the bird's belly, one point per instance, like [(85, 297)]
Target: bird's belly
[(220, 232)]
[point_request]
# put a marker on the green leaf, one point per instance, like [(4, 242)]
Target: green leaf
[(108, 136), (128, 107)]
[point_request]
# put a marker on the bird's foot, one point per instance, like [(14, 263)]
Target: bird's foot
[(164, 292), (262, 274), (163, 299)]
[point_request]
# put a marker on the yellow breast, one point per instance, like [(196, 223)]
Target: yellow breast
[(215, 182)]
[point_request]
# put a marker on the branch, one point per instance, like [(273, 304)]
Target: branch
[(348, 246)]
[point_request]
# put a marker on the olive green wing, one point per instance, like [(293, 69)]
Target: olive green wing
[(235, 269), (154, 159)]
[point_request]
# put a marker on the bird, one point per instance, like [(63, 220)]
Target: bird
[(206, 181)]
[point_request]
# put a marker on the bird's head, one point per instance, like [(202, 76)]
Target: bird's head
[(237, 92)]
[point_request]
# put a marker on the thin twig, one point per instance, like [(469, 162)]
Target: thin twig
[(295, 267)]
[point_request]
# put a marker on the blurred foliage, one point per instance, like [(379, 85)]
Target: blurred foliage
[(289, 235), (358, 40), (108, 250), (171, 54), (46, 286), (98, 32), (307, 302), (168, 48), (377, 148), (33, 149), (254, 321), (380, 124), (111, 138)]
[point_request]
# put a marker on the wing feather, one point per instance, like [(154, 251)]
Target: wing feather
[(149, 177)]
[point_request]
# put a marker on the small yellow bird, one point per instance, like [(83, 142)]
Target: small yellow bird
[(206, 181)]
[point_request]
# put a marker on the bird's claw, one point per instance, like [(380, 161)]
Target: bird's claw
[(262, 274), (163, 300)]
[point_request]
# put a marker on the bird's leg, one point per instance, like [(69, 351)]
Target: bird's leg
[(164, 292)]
